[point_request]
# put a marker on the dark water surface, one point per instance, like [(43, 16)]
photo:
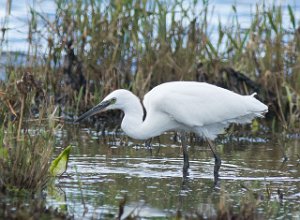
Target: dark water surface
[(104, 169)]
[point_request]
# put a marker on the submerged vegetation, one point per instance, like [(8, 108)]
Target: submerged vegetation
[(93, 47)]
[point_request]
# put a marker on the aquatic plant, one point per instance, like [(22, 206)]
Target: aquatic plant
[(26, 141), (24, 163)]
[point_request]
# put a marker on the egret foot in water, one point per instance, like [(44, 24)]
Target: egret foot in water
[(218, 162), (148, 145), (197, 107), (186, 163)]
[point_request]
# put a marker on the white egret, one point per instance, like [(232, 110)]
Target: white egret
[(183, 106)]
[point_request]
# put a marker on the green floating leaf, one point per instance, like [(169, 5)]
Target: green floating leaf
[(60, 164)]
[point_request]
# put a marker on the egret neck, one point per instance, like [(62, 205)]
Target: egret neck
[(135, 125), (132, 123)]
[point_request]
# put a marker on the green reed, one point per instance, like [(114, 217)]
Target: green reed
[(24, 163), (138, 44), (26, 139)]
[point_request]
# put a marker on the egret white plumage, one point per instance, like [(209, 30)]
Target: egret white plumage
[(184, 106)]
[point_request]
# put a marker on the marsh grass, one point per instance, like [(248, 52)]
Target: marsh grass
[(26, 141), (139, 44), (24, 163), (25, 157)]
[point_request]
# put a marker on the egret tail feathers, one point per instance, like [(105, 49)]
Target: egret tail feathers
[(211, 131)]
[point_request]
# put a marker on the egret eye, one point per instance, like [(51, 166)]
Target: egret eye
[(113, 100)]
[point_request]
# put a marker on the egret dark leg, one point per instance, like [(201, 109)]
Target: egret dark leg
[(218, 161), (148, 145), (186, 163)]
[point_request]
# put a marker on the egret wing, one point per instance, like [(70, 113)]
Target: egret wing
[(201, 107)]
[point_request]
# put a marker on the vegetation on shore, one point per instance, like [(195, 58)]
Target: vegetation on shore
[(95, 47)]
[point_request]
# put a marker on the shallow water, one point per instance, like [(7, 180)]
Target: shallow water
[(104, 169)]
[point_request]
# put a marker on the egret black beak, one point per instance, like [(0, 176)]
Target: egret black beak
[(98, 108)]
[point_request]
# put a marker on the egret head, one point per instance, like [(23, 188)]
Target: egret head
[(115, 100)]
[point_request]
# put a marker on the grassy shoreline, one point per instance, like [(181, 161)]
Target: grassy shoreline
[(93, 50)]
